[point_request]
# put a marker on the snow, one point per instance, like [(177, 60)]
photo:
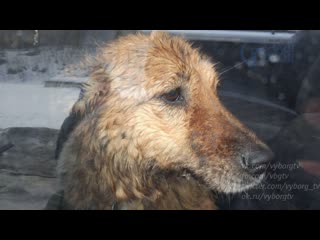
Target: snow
[(41, 64), (25, 101), (33, 105)]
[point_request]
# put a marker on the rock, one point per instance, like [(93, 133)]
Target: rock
[(21, 192), (15, 70), (57, 202), (18, 66), (4, 139), (28, 175), (32, 52), (26, 38), (66, 81), (3, 61), (33, 151)]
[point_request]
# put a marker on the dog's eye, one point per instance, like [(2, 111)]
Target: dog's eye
[(173, 96)]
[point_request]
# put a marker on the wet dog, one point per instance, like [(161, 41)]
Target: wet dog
[(153, 133)]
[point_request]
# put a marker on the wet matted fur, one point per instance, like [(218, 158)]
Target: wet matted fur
[(153, 133)]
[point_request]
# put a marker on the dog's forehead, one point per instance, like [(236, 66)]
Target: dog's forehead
[(172, 59), (147, 66)]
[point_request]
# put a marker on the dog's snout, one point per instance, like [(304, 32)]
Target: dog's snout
[(256, 162)]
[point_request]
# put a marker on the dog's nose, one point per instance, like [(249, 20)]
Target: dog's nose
[(256, 162)]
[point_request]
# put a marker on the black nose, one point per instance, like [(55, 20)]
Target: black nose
[(256, 162)]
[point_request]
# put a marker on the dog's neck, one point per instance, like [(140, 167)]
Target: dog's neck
[(106, 177), (171, 192)]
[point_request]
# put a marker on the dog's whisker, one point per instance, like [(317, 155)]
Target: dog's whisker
[(230, 68)]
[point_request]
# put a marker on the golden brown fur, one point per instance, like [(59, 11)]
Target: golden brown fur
[(133, 148)]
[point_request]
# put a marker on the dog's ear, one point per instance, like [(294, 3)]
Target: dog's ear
[(94, 92)]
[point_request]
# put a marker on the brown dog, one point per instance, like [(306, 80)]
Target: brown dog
[(154, 134)]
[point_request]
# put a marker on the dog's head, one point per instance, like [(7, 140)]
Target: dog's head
[(158, 107)]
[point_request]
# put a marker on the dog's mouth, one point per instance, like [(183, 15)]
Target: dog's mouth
[(225, 184)]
